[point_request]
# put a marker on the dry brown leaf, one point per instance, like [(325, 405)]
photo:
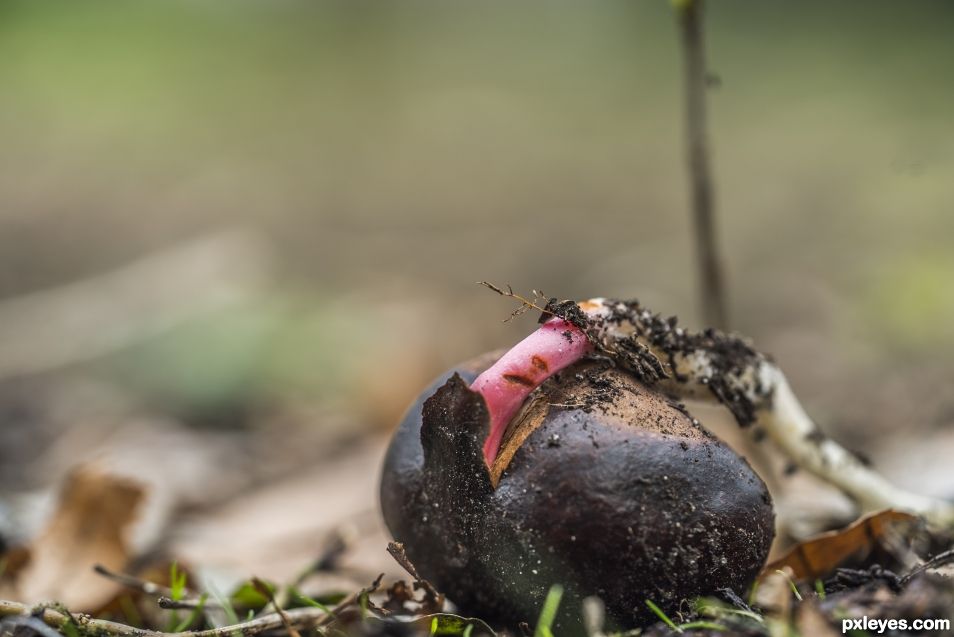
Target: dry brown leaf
[(810, 621), (774, 593), (336, 493), (89, 527), (820, 555), (12, 564)]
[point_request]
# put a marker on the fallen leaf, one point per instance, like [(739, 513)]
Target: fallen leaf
[(301, 510), (818, 556), (11, 563), (88, 527), (452, 625), (774, 593), (811, 621)]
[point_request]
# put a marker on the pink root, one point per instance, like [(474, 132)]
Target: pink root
[(506, 385)]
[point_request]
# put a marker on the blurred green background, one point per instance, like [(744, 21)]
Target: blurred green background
[(383, 157)]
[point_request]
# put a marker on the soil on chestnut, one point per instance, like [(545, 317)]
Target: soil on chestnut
[(729, 353), (607, 487)]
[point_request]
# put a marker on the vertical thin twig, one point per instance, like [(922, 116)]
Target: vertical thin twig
[(689, 13)]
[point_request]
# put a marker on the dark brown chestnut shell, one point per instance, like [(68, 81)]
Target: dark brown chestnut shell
[(615, 492)]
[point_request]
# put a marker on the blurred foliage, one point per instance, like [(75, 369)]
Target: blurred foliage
[(393, 153), (912, 307)]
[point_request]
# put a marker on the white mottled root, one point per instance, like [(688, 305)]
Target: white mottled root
[(790, 428), (725, 369)]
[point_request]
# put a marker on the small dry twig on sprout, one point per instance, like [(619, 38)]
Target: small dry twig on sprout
[(525, 304)]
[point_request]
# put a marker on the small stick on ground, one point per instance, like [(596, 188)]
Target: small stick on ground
[(164, 593), (396, 549), (348, 601), (134, 583), (167, 603), (299, 618), (264, 590), (937, 561), (733, 597)]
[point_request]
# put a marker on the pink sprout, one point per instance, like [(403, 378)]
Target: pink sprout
[(506, 385)]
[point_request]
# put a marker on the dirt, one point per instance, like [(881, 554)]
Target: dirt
[(730, 355), (848, 595)]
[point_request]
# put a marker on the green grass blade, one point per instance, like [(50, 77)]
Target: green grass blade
[(661, 615), (703, 625), (194, 615), (549, 611), (794, 588)]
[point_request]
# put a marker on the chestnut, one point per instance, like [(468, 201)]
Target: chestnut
[(567, 460), (599, 483)]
